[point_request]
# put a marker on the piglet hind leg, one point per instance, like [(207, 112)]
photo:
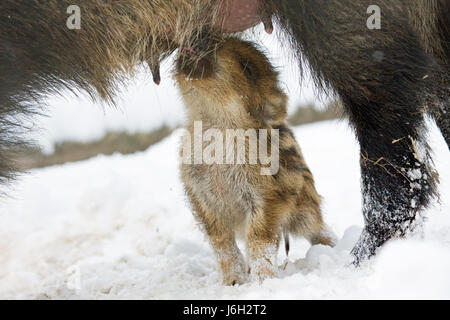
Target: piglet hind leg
[(325, 237), (222, 238), (263, 240), (229, 257)]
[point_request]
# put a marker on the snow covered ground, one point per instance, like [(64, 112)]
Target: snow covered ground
[(119, 227)]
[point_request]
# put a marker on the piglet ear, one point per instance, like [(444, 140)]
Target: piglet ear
[(274, 109)]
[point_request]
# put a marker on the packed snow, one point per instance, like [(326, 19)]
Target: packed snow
[(119, 227)]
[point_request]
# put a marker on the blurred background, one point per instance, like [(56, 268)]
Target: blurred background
[(75, 128)]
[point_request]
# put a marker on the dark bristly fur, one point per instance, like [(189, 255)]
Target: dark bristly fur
[(387, 80), (40, 55)]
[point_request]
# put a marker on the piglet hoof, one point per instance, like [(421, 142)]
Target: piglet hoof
[(263, 269), (234, 278)]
